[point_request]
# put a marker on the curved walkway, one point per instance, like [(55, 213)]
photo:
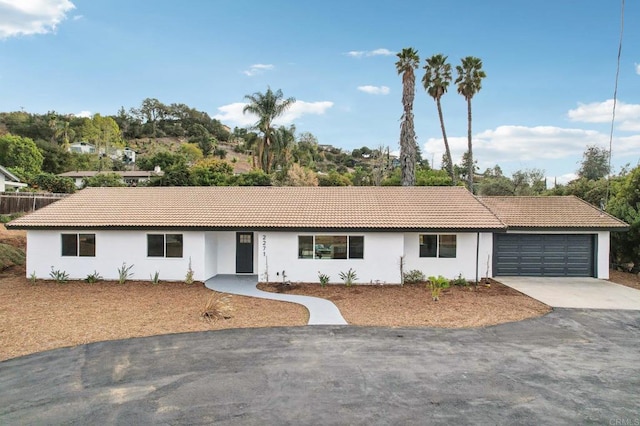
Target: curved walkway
[(321, 311)]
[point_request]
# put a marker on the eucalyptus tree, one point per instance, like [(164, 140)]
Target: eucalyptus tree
[(437, 77), (408, 61), (469, 82), (267, 106)]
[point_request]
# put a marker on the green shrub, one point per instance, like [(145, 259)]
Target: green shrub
[(460, 281), (59, 276), (324, 279), (93, 277), (155, 278), (437, 284), (348, 277), (124, 273), (414, 276), (10, 256)]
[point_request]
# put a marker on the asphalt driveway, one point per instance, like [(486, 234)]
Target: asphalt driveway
[(582, 293), (568, 367)]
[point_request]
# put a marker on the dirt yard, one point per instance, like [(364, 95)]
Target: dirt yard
[(48, 315)]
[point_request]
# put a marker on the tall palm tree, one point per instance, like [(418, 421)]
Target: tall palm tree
[(437, 77), (267, 106), (408, 60), (469, 81)]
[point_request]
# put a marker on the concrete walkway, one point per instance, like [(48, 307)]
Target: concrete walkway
[(583, 293), (321, 311)]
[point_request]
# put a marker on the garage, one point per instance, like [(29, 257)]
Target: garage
[(548, 255)]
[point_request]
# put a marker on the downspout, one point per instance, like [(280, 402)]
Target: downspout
[(477, 254)]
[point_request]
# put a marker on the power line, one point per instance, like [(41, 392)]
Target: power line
[(615, 101)]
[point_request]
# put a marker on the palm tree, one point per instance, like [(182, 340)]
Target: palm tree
[(267, 106), (469, 81), (408, 60), (437, 77)]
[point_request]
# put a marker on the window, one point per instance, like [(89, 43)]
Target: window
[(356, 247), (438, 246), (245, 238), (83, 245), (164, 245), (330, 247)]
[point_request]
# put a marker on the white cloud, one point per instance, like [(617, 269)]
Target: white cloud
[(530, 145), (561, 180), (627, 115), (26, 17), (375, 52), (374, 90), (637, 67), (77, 17), (256, 69), (85, 114), (232, 113)]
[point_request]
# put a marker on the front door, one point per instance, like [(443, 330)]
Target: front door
[(244, 252)]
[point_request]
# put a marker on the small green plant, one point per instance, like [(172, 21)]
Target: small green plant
[(59, 276), (33, 277), (189, 278), (93, 278), (348, 277), (460, 281), (324, 278), (124, 273), (414, 276), (155, 278), (437, 284)]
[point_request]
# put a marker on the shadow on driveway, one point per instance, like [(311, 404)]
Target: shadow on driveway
[(570, 366)]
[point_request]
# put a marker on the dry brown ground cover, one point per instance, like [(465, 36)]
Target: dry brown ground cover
[(411, 305), (47, 315), (625, 278)]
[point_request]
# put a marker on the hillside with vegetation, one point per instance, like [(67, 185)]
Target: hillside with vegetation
[(193, 149)]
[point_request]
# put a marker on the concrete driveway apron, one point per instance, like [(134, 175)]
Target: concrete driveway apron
[(570, 292)]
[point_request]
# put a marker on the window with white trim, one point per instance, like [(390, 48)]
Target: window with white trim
[(435, 245), (330, 247), (164, 245)]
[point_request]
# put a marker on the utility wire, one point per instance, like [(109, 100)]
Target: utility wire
[(615, 101)]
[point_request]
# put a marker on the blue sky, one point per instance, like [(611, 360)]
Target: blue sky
[(550, 68)]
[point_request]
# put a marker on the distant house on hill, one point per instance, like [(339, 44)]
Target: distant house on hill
[(82, 148), (129, 177), (9, 181)]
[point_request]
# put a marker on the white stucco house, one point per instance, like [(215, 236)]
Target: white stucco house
[(298, 232), (9, 181), (129, 177)]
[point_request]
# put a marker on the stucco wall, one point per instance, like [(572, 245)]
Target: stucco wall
[(464, 263), (278, 251), (112, 249)]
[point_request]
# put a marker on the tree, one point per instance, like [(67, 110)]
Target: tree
[(436, 81), (52, 183), (301, 176), (267, 106), (408, 61), (469, 81), (625, 205), (103, 179), (595, 163), (18, 151)]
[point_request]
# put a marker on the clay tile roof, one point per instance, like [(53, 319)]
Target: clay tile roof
[(394, 208), (550, 212)]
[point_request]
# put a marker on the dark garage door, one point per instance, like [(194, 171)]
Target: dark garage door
[(543, 255)]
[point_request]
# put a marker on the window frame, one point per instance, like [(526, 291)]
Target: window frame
[(451, 247), (170, 249), (84, 244), (305, 246)]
